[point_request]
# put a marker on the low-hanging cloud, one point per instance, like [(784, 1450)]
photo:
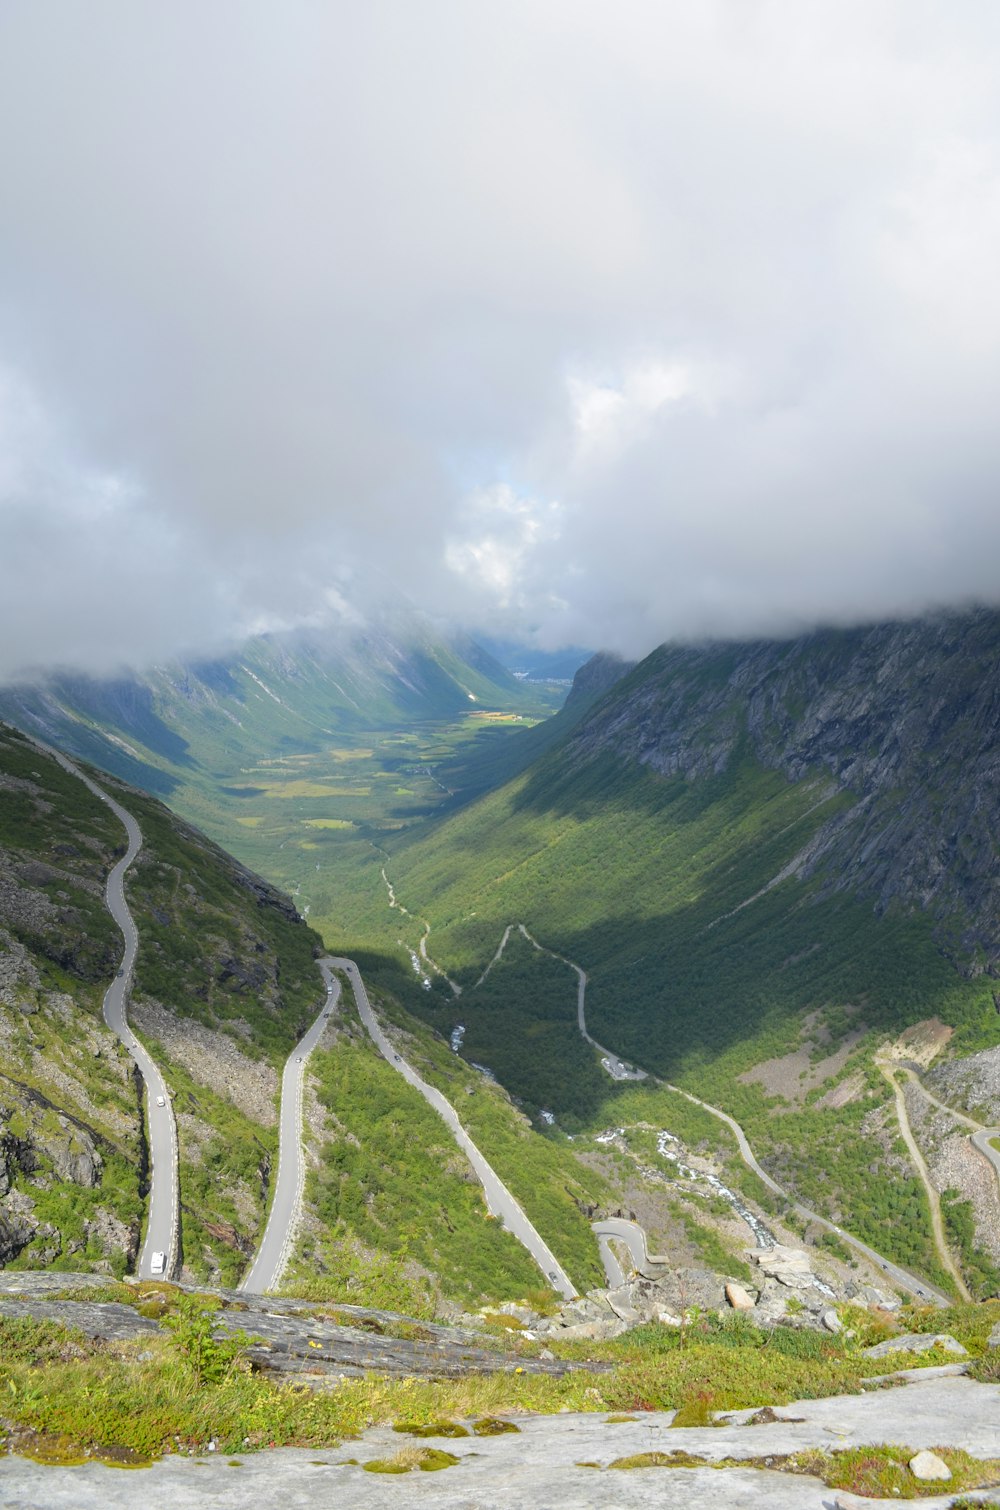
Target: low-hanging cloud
[(603, 324)]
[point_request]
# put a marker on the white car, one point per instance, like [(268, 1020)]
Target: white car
[(158, 1264), (161, 1100)]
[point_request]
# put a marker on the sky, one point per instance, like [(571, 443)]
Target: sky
[(587, 323)]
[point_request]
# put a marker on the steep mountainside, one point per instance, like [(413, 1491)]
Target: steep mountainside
[(499, 756), (903, 718), (771, 860), (179, 724), (225, 976), (225, 982)]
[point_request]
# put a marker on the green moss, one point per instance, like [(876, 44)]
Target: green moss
[(433, 1458), (660, 1460), (883, 1472), (431, 1428), (427, 1459)]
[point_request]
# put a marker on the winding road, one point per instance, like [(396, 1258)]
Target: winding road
[(422, 954), (498, 1198), (618, 1229), (921, 1288), (162, 1225), (620, 1069), (286, 1202), (923, 1174), (985, 1140)]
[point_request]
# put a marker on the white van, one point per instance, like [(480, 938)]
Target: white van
[(158, 1264)]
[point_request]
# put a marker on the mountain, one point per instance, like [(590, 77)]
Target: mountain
[(225, 981), (183, 723), (492, 761), (846, 767), (772, 859), (537, 665), (903, 721)]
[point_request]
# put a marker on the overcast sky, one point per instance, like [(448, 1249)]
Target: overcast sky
[(600, 322)]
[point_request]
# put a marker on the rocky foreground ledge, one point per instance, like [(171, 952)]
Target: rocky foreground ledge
[(315, 1342), (563, 1462)]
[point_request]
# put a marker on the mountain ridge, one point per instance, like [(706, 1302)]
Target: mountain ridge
[(274, 692), (909, 710)]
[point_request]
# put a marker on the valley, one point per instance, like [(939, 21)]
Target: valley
[(625, 1034)]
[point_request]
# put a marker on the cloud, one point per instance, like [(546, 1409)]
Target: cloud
[(600, 324)]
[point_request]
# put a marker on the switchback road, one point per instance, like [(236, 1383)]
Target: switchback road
[(617, 1229), (162, 1229), (983, 1139), (923, 1174), (286, 1202), (618, 1069), (498, 1198), (986, 1142)]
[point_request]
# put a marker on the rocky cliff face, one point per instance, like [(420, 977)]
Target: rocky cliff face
[(904, 719)]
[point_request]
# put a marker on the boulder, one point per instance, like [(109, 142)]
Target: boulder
[(928, 1467), (772, 1302), (993, 1340), (916, 1342), (738, 1297), (75, 1158), (868, 1295), (771, 1260), (592, 1331), (622, 1302), (831, 1320), (789, 1266), (519, 1312)]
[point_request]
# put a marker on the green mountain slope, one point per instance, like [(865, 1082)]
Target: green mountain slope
[(225, 983), (181, 726), (755, 852), (219, 948)]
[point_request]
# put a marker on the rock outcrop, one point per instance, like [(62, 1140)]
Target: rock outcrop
[(789, 1290), (904, 719)]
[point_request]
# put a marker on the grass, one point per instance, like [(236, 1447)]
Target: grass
[(172, 1392), (554, 1188), (224, 1158), (640, 879), (145, 1397), (873, 1472), (391, 1181), (216, 944), (883, 1472)]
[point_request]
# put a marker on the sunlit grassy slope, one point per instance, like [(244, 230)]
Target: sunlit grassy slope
[(669, 893), (217, 945), (702, 960)]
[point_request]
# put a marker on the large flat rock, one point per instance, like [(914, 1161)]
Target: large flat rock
[(539, 1469)]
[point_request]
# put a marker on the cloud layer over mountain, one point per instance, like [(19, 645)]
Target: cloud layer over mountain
[(608, 323)]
